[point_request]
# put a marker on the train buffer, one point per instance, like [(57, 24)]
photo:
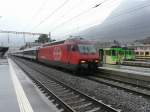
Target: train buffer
[(18, 93)]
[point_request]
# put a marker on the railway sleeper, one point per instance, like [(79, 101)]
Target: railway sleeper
[(80, 107), (58, 87), (78, 101), (72, 98), (79, 104), (68, 101), (66, 95), (58, 90), (96, 109), (91, 108), (49, 83), (64, 92), (54, 84)]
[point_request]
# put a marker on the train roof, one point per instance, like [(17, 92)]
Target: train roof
[(54, 43), (68, 41), (31, 49), (27, 49), (127, 48), (116, 48), (78, 41)]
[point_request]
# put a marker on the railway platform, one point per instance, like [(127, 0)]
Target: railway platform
[(137, 63), (129, 69), (18, 93), (135, 75), (140, 73)]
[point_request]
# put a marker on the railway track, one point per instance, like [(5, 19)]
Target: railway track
[(65, 97), (133, 88)]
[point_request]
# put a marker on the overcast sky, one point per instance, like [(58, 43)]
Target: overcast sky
[(60, 17), (128, 22)]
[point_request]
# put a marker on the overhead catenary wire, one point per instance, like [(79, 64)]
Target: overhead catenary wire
[(97, 5), (111, 18), (128, 12), (61, 6), (51, 14), (78, 15), (37, 12), (40, 8)]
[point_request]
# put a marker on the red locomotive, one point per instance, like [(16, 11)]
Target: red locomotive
[(74, 54)]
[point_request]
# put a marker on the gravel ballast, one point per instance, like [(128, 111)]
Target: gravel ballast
[(120, 99)]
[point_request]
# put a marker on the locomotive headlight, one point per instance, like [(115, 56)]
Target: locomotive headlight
[(96, 61), (83, 61)]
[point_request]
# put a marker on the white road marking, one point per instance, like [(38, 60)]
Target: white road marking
[(23, 102)]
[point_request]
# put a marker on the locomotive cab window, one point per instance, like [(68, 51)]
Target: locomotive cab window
[(113, 53), (141, 53), (108, 52), (83, 48), (137, 53), (121, 53), (130, 52), (74, 48), (146, 53)]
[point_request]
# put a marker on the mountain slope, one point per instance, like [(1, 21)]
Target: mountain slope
[(128, 22)]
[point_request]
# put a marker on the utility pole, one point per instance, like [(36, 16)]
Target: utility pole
[(24, 38), (8, 39), (49, 36)]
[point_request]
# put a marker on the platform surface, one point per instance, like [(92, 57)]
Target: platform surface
[(18, 93), (127, 69), (143, 62), (8, 100)]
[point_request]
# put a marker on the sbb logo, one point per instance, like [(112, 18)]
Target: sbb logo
[(57, 53)]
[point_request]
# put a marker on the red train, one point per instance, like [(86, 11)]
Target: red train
[(74, 54)]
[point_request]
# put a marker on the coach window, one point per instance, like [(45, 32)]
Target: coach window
[(146, 53), (141, 53), (121, 52), (113, 53), (107, 52), (74, 48), (137, 53)]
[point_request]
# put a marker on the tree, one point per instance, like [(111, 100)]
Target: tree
[(43, 38)]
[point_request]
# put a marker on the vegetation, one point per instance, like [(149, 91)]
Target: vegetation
[(43, 38)]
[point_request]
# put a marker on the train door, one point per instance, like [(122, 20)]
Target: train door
[(106, 56), (101, 55), (36, 53), (114, 56), (68, 54), (118, 56), (73, 54)]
